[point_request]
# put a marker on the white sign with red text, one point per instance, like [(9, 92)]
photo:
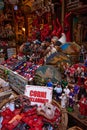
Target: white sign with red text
[(39, 94)]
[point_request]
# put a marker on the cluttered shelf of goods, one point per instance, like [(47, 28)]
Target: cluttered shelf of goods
[(7, 34), (43, 73), (47, 94)]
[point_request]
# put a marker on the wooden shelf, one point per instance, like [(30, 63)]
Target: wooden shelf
[(76, 6), (75, 120)]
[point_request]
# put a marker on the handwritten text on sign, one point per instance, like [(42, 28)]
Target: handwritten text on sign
[(38, 94)]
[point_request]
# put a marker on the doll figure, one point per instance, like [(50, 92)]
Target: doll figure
[(82, 75), (67, 91), (76, 89), (64, 83), (71, 99), (58, 90), (82, 106), (82, 54), (63, 100), (85, 84), (47, 109), (86, 108), (82, 91), (85, 61), (49, 83), (76, 76)]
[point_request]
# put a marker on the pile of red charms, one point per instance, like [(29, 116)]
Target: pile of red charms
[(25, 117)]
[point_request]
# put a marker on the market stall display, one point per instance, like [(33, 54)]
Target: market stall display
[(24, 115), (24, 68), (47, 61), (78, 73), (7, 34)]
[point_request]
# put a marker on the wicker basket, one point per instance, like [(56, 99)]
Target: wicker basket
[(64, 115)]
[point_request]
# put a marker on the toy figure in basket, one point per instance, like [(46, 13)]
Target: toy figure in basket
[(50, 112), (82, 107)]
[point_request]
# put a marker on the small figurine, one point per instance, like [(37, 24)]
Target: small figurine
[(49, 83), (79, 69), (82, 91), (75, 76), (82, 54), (82, 107), (85, 84), (63, 100), (64, 83), (58, 90), (85, 61), (82, 75), (76, 89), (71, 100), (67, 91), (86, 108), (47, 110)]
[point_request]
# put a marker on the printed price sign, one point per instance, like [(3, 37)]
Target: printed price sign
[(38, 94)]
